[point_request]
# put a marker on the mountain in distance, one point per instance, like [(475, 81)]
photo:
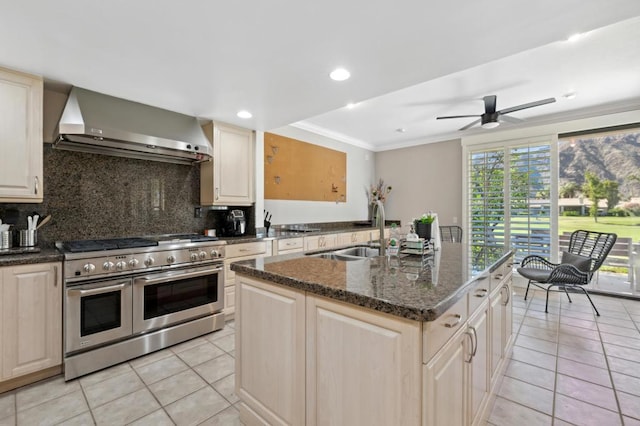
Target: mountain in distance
[(613, 157)]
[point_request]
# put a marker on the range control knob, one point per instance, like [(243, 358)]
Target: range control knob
[(194, 257), (121, 266), (133, 263), (148, 261), (108, 266), (89, 268), (214, 253), (171, 259), (203, 255)]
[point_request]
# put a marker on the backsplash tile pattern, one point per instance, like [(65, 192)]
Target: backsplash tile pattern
[(99, 196)]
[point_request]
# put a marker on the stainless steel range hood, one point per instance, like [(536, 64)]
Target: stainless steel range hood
[(101, 124)]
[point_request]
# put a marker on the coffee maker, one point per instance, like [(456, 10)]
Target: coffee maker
[(235, 223)]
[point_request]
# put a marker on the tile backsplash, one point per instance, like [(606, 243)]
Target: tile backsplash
[(99, 196)]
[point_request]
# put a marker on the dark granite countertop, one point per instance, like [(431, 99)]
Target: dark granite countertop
[(409, 287), (43, 256)]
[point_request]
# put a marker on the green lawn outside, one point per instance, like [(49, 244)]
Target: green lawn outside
[(622, 226)]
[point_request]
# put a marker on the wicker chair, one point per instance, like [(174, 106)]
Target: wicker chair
[(587, 251), (451, 233)]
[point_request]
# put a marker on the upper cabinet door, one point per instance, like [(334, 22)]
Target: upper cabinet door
[(228, 179), (20, 137)]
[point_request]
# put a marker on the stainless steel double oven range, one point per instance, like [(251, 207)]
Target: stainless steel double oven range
[(128, 297)]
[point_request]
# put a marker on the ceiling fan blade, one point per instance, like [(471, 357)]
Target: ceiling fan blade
[(457, 116), (509, 119), (490, 104), (473, 123), (529, 105)]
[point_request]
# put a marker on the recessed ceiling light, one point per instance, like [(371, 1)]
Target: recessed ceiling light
[(340, 74), (244, 114), (352, 105), (401, 130), (569, 95)]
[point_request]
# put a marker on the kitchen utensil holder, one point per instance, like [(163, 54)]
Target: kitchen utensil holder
[(6, 239), (28, 237)]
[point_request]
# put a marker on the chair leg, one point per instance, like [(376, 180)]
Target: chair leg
[(591, 301), (567, 293), (546, 305), (527, 292)]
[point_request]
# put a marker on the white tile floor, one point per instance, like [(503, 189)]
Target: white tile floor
[(567, 367), (570, 366), (188, 384)]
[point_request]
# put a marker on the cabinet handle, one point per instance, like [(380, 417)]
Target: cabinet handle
[(36, 181), (474, 341), (498, 276), (481, 292), (458, 319), (55, 276), (506, 287), (474, 344), (217, 193), (243, 250)]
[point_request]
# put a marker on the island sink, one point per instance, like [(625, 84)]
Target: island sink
[(350, 254), (359, 251)]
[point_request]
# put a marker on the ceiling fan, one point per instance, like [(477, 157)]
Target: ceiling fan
[(492, 118)]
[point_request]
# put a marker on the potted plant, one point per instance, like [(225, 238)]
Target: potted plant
[(423, 225)]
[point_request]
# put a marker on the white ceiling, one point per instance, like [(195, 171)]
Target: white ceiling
[(410, 61)]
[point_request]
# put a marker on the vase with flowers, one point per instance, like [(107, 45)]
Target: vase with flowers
[(377, 193), (423, 224)]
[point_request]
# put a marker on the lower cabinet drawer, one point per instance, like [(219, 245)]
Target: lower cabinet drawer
[(436, 333), (501, 273), (245, 249), (478, 293), (290, 244)]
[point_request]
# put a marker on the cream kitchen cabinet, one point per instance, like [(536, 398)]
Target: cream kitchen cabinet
[(501, 313), (355, 359), (319, 351), (235, 253), (363, 366), (228, 178), (20, 137), (31, 326), (288, 245), (270, 360), (356, 237), (456, 379), (445, 382), (318, 242), (478, 364)]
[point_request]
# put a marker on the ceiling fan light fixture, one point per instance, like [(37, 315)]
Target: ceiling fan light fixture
[(490, 125)]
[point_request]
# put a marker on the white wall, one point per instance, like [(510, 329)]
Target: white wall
[(424, 177), (360, 174)]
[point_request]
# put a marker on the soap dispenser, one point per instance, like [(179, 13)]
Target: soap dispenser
[(412, 236)]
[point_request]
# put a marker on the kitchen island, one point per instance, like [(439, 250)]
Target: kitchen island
[(381, 340)]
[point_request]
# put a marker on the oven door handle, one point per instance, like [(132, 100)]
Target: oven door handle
[(148, 281), (99, 290)]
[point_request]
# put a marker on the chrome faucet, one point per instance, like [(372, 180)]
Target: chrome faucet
[(380, 214)]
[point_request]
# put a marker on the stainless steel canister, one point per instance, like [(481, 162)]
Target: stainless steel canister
[(28, 237), (6, 239)]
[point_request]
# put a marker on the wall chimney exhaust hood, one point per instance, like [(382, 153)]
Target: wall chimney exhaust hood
[(96, 123)]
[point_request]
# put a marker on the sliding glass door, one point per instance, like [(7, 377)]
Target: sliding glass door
[(510, 200)]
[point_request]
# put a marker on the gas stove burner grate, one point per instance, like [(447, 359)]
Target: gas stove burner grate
[(80, 246)]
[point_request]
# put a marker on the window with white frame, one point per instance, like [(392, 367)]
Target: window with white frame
[(509, 200)]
